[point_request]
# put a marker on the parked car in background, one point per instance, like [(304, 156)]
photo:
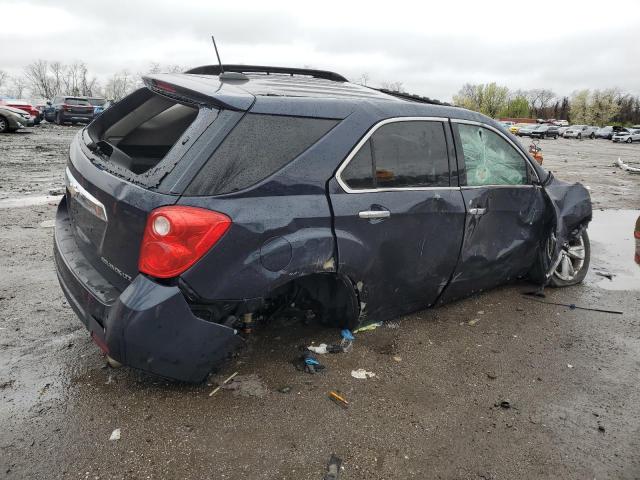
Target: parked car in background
[(526, 130), (627, 135), (516, 127), (561, 123), (545, 131), (580, 131), (507, 124), (607, 132), (63, 109), (98, 104), (12, 119), (36, 115)]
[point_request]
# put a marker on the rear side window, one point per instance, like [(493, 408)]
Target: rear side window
[(77, 101), (257, 147), (401, 155)]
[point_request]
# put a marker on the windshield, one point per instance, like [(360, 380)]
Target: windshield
[(97, 102)]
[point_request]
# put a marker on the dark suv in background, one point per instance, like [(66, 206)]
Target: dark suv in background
[(63, 109), (208, 202)]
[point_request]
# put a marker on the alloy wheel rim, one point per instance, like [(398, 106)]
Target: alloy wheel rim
[(571, 260), (3, 124)]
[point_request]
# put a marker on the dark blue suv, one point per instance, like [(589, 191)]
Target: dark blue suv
[(209, 202)]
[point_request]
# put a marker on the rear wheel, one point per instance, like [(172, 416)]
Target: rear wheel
[(592, 136), (4, 125), (555, 137), (579, 137), (574, 261)]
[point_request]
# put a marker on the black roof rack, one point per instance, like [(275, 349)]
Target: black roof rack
[(412, 97), (215, 70)]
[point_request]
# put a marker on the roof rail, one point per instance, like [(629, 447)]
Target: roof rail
[(216, 70), (413, 98)]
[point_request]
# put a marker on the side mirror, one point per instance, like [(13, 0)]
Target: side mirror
[(49, 103)]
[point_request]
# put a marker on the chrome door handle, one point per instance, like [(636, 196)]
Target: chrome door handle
[(477, 211), (374, 214)]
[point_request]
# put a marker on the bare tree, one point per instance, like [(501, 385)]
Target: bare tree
[(41, 82), (364, 79), (393, 86), (3, 78), (119, 85), (18, 87)]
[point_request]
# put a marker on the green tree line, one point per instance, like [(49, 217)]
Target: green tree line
[(591, 107)]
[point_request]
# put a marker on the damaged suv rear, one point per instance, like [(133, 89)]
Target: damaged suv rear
[(208, 202)]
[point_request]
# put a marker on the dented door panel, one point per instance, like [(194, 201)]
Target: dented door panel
[(400, 262)]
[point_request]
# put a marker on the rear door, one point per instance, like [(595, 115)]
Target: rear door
[(398, 218), (505, 210)]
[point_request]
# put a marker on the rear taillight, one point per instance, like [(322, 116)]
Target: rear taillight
[(176, 237), (66, 107)]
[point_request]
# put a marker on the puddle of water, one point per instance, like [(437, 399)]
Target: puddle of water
[(20, 202), (613, 249)]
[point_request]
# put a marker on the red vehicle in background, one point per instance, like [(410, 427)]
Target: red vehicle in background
[(36, 115)]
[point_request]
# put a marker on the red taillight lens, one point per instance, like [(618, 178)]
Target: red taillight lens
[(66, 107), (176, 237)]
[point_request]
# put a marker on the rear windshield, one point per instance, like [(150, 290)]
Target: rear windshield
[(256, 148), (138, 133), (97, 102), (77, 101)]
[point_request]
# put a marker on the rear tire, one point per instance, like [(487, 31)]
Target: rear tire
[(592, 136), (4, 124), (579, 136), (575, 261), (629, 140)]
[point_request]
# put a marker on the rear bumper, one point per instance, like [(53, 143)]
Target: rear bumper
[(148, 326), (77, 117)]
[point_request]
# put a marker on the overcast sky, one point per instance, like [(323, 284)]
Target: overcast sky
[(431, 47)]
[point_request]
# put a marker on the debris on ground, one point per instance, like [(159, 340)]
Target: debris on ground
[(215, 390), (392, 325), (506, 404), (320, 349), (491, 376), (626, 167), (397, 358), (246, 386), (344, 346), (569, 365), (333, 468), (573, 306), (606, 275), (601, 428), (338, 397), (308, 363), (285, 389), (6, 384), (115, 435), (362, 374), (473, 322), (368, 328), (347, 340)]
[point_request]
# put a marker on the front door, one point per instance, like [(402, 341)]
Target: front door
[(505, 210), (397, 218)]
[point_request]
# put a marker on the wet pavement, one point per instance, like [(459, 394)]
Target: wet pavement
[(433, 410)]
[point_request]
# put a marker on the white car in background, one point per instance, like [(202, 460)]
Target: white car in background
[(627, 135), (580, 131)]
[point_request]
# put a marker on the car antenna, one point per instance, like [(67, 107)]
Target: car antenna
[(226, 75)]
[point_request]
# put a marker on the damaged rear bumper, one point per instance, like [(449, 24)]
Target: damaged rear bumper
[(148, 326)]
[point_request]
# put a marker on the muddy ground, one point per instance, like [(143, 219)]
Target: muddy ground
[(432, 410)]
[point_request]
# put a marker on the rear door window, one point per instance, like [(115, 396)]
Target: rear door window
[(404, 154), (256, 148), (489, 159)]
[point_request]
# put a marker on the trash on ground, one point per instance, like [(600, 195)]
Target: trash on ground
[(346, 343), (491, 376), (320, 349), (246, 386), (215, 390), (362, 374), (333, 468), (473, 322), (368, 328), (286, 389), (573, 306), (397, 358), (506, 404), (392, 325), (569, 365), (308, 363), (115, 435), (626, 167), (48, 224), (606, 275), (338, 397)]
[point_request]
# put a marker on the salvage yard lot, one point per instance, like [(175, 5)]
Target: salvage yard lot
[(433, 410)]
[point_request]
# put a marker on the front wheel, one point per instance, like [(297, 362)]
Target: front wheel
[(574, 261), (4, 125), (592, 136), (629, 140), (579, 137)]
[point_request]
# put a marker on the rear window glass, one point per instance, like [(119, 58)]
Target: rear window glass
[(402, 155), (257, 147), (76, 101)]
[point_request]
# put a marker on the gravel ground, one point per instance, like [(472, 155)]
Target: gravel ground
[(433, 410)]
